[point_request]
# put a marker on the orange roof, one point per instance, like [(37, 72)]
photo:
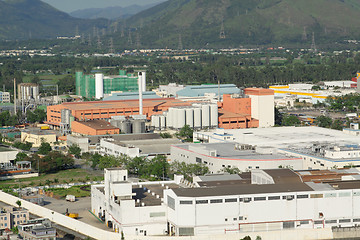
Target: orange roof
[(258, 91), (167, 102)]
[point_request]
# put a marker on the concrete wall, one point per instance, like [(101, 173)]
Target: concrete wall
[(114, 149), (7, 156)]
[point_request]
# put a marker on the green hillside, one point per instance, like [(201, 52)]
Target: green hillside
[(23, 19), (245, 22)]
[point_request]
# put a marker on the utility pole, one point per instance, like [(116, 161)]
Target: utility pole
[(180, 46), (15, 96), (222, 30), (313, 46)]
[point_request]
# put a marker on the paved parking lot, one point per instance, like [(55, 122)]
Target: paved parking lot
[(81, 206)]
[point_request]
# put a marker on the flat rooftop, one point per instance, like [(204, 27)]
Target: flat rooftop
[(98, 125), (147, 198), (147, 103), (283, 137), (228, 151)]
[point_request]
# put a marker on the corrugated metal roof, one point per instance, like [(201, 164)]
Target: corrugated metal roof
[(200, 90)]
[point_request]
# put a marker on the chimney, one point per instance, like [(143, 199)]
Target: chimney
[(140, 85)]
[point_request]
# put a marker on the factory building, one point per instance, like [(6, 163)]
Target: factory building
[(81, 111), (217, 156), (98, 85), (266, 201), (28, 91), (93, 127), (196, 92)]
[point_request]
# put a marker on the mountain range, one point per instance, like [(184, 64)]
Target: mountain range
[(111, 12), (24, 19), (199, 23)]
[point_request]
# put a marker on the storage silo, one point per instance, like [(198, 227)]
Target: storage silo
[(181, 117), (190, 117), (205, 116), (170, 118), (138, 126), (125, 127), (65, 116), (155, 121), (214, 116), (162, 122), (197, 117), (99, 85)]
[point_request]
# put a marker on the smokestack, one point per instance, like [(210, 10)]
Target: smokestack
[(99, 85), (143, 81), (15, 96), (140, 85)]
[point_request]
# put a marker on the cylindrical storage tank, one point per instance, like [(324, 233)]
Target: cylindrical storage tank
[(99, 85), (197, 117), (190, 117), (125, 127), (162, 122), (156, 121), (170, 118), (214, 116), (139, 126), (181, 117), (205, 116)]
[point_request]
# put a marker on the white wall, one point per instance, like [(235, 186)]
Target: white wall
[(262, 108)]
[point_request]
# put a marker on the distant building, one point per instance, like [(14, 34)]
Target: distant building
[(12, 217), (97, 85), (196, 91), (37, 229), (4, 97), (169, 90), (36, 137)]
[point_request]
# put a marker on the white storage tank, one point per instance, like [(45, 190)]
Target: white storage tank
[(197, 117), (162, 122), (138, 126), (125, 127), (214, 116), (181, 117), (99, 85), (205, 116), (190, 117), (155, 121), (170, 118)]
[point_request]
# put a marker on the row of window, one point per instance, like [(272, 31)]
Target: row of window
[(264, 198)]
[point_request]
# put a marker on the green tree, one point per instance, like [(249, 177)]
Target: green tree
[(323, 121), (75, 150), (186, 133), (20, 156), (231, 170), (159, 167), (44, 148), (337, 124), (290, 120), (18, 202)]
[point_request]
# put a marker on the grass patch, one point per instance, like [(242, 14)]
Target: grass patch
[(64, 176), (77, 191)]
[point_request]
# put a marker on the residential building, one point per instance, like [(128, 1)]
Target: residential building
[(12, 217), (40, 228), (4, 97)]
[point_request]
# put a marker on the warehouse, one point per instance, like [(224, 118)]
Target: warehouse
[(260, 200), (217, 156)]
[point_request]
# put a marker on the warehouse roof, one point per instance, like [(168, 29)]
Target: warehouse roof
[(98, 124), (200, 90), (227, 151), (131, 96), (83, 106)]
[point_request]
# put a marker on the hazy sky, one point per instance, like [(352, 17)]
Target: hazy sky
[(72, 5)]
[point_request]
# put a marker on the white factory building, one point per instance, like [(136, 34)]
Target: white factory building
[(260, 201), (217, 156), (319, 148), (198, 116)]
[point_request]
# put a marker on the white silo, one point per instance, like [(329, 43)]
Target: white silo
[(197, 117), (162, 122), (170, 118), (214, 116), (181, 117), (190, 117), (205, 116), (99, 85)]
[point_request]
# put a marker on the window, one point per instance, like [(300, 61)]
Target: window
[(226, 219), (234, 219), (186, 202), (328, 195), (157, 214), (273, 197), (230, 200), (330, 221), (259, 198), (344, 220), (202, 201), (288, 225), (302, 196), (186, 231), (356, 220), (318, 222), (241, 218), (304, 222), (198, 160), (216, 200), (171, 203), (344, 194)]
